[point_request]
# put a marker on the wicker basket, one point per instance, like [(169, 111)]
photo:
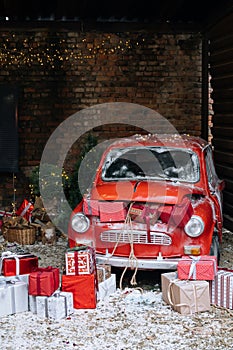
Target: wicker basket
[(22, 236)]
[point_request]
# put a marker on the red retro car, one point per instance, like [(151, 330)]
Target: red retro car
[(154, 199)]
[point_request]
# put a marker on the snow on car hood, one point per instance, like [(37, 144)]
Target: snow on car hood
[(160, 192)]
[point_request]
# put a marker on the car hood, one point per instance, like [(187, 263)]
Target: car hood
[(160, 192)]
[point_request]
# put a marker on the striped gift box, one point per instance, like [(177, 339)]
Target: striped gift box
[(221, 289)]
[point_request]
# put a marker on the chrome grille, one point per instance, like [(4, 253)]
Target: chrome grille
[(135, 236)]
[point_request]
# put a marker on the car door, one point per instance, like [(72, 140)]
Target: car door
[(215, 186)]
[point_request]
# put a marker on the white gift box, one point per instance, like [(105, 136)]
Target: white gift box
[(23, 278), (42, 306), (13, 297), (107, 287), (60, 305), (79, 262), (57, 306), (32, 303), (38, 305)]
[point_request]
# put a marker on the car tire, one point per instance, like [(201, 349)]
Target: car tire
[(215, 248)]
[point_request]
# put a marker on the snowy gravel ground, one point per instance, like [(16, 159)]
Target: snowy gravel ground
[(130, 319)]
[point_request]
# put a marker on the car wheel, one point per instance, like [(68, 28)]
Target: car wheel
[(215, 247)]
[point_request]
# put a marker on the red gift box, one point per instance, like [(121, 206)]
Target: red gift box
[(112, 211), (44, 281), (25, 210), (181, 213), (13, 264), (80, 261), (165, 213), (178, 214), (84, 290), (90, 207), (197, 268)]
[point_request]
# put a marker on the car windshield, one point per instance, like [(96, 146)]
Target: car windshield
[(143, 163)]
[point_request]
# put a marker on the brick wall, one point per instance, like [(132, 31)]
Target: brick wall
[(61, 72)]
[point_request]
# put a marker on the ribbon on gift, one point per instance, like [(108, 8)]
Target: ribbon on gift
[(193, 268), (146, 215)]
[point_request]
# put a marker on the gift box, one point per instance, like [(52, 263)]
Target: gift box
[(165, 213), (13, 264), (90, 206), (181, 213), (112, 211), (80, 261), (185, 296), (103, 272), (221, 289), (60, 305), (13, 297), (178, 214), (44, 281), (106, 288), (39, 305), (84, 289), (57, 306), (22, 278), (197, 268), (25, 210)]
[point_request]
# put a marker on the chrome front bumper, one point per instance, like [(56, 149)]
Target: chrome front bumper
[(142, 264)]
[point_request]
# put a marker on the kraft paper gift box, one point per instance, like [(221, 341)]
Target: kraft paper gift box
[(103, 272), (185, 296), (13, 297), (84, 289), (44, 281), (106, 288), (221, 289), (80, 261), (197, 268), (12, 264)]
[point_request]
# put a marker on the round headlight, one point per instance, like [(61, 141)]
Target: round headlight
[(194, 227), (80, 223)]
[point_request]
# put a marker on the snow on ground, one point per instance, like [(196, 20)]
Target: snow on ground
[(130, 319)]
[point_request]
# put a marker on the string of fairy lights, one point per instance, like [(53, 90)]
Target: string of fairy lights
[(18, 50)]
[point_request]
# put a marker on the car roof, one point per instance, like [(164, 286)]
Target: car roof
[(167, 140)]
